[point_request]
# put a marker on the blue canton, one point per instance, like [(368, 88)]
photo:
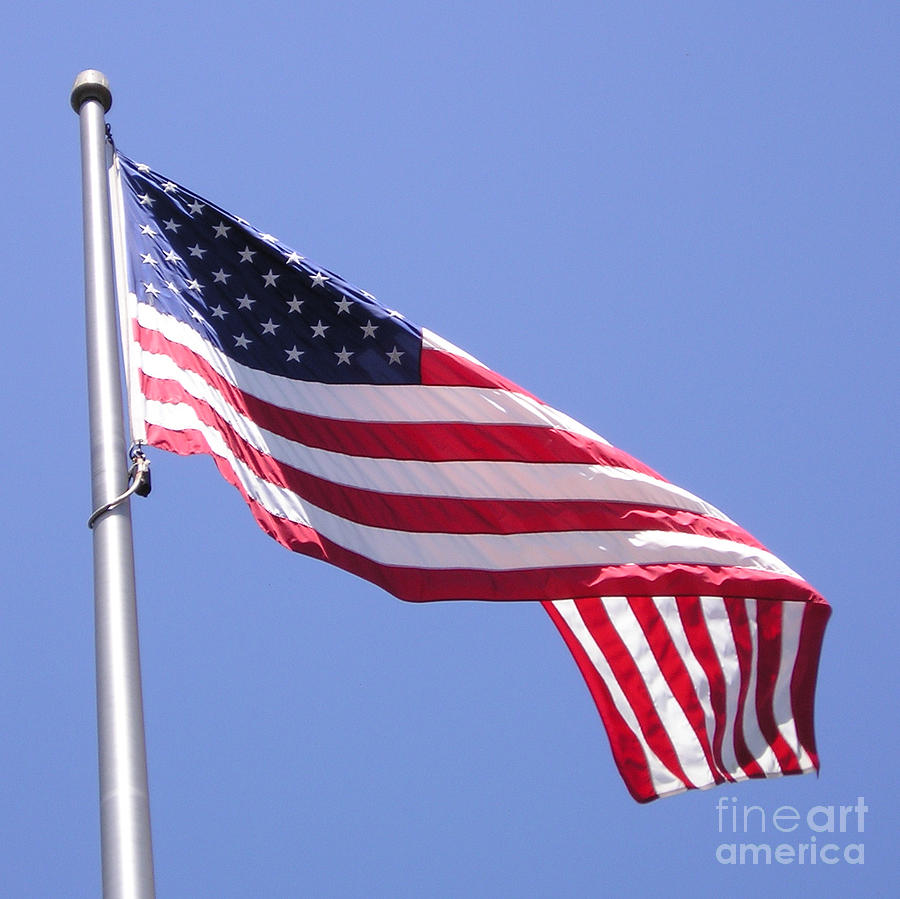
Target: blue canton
[(259, 302)]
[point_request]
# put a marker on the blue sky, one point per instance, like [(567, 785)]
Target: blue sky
[(676, 222)]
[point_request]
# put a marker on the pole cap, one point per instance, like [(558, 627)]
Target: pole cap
[(91, 85)]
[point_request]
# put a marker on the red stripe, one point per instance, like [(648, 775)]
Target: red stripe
[(694, 623), (740, 630), (626, 748), (440, 368), (803, 682), (769, 629), (625, 670), (674, 671), (427, 441), (443, 514), (426, 585)]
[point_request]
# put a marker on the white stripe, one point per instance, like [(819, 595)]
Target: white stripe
[(719, 628), (684, 741), (753, 736), (502, 480), (664, 781), (491, 552), (668, 610), (791, 623)]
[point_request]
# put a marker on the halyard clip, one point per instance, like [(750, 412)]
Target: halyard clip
[(138, 482)]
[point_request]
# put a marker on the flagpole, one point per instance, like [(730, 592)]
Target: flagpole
[(126, 852)]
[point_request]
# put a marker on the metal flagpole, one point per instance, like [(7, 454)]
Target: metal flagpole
[(126, 851)]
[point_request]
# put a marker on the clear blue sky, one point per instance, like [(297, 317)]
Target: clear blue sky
[(676, 222)]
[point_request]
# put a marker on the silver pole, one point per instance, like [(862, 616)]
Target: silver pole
[(126, 850)]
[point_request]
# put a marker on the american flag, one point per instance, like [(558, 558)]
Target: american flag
[(360, 439)]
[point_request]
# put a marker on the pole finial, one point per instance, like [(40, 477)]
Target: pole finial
[(91, 84)]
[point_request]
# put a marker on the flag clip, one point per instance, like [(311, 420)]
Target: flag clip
[(139, 483)]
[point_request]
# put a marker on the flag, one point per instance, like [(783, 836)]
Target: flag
[(361, 439)]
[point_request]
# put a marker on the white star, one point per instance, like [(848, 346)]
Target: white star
[(245, 302), (294, 258), (146, 200), (151, 288), (196, 316), (172, 256), (170, 187), (242, 342), (295, 304), (197, 251), (367, 295), (271, 278), (343, 356), (394, 356), (247, 254), (318, 279), (146, 229), (221, 276), (320, 329), (270, 327), (194, 284), (343, 305), (195, 208), (218, 312), (271, 238), (293, 354), (147, 259), (172, 225), (172, 287), (369, 329), (221, 229), (143, 167)]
